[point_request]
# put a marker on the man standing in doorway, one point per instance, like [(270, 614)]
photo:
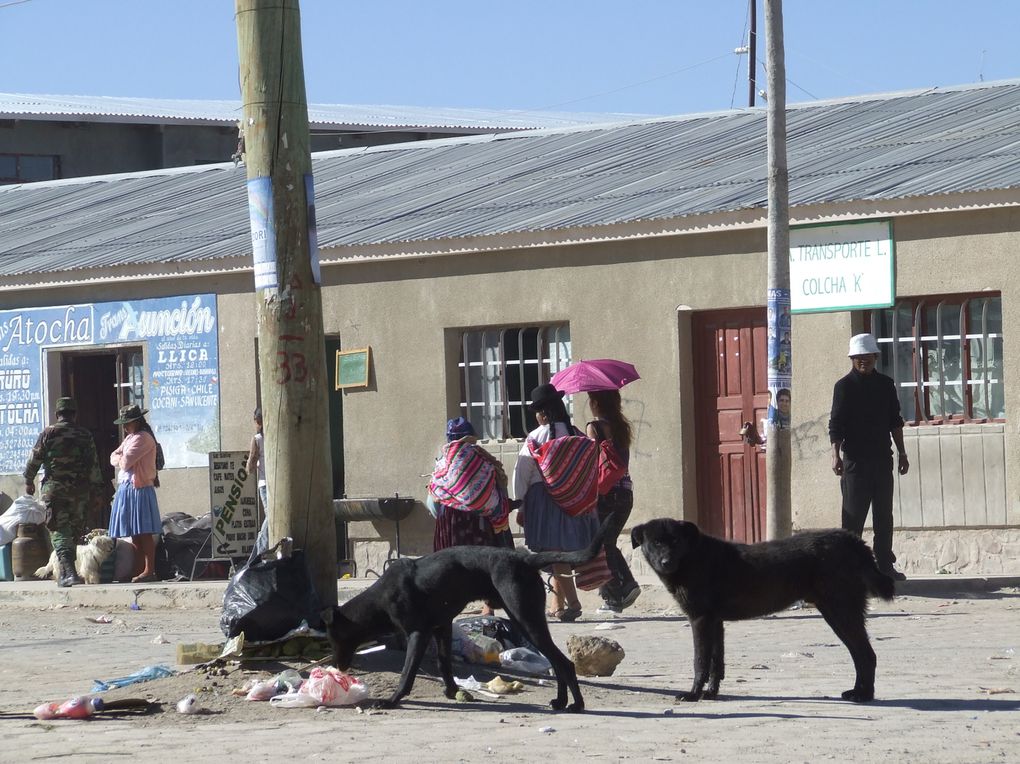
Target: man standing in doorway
[(865, 412), (67, 454)]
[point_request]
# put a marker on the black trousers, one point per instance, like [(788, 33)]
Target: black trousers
[(869, 483), (617, 504)]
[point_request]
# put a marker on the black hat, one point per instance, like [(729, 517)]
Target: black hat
[(543, 395)]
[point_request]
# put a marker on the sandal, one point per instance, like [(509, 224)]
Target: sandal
[(569, 614)]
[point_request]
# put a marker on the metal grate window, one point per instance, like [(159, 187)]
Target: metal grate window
[(945, 355), (26, 168), (498, 370)]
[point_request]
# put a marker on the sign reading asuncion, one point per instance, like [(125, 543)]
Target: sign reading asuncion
[(842, 267)]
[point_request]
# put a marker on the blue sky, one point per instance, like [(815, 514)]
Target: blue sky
[(637, 56)]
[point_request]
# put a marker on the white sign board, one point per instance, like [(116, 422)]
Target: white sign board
[(235, 509), (842, 267)]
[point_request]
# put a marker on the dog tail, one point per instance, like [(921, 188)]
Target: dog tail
[(878, 583), (545, 559)]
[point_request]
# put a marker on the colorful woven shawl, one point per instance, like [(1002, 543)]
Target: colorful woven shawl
[(466, 478), (569, 467)]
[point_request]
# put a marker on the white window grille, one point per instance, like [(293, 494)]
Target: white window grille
[(500, 367), (945, 355)]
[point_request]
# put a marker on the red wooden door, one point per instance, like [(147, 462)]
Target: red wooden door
[(730, 387)]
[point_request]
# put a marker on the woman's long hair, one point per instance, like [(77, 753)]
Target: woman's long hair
[(556, 411), (606, 404)]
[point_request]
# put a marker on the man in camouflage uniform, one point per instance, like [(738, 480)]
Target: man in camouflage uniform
[(68, 455)]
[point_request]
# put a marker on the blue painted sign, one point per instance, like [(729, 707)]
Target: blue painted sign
[(179, 340)]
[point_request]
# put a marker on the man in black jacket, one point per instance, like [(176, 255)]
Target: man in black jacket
[(865, 412)]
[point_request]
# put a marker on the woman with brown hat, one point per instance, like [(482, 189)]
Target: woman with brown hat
[(547, 527), (135, 511)]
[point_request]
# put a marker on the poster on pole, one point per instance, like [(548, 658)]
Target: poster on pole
[(780, 360), (234, 506)]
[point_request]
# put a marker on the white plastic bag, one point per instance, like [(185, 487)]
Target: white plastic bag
[(523, 659), (324, 687), (25, 509)]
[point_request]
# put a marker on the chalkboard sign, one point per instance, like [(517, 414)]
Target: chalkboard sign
[(352, 368)]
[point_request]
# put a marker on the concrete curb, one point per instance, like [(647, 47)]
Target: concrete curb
[(209, 594)]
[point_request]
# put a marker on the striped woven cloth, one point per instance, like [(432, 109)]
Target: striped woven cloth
[(466, 479), (569, 466)]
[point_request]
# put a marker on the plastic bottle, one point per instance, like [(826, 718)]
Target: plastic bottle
[(79, 707)]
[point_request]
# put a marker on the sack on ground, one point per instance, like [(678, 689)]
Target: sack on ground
[(594, 573), (324, 687), (569, 468)]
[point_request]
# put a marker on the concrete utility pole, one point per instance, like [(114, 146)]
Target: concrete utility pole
[(780, 374), (287, 284)]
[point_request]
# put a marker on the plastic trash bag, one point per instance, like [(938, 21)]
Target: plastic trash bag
[(525, 660), (502, 629), (142, 675), (25, 509), (324, 687), (265, 600)]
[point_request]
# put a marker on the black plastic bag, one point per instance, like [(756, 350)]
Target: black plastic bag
[(183, 538), (265, 600), (505, 631)]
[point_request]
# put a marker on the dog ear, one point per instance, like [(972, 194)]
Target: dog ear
[(637, 536)]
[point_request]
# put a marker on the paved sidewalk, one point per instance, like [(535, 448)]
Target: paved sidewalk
[(204, 594)]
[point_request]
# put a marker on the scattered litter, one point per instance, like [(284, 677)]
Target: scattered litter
[(524, 659), (474, 685), (500, 686), (608, 626), (463, 696), (760, 667), (798, 655), (547, 730), (104, 618), (146, 674), (324, 687), (135, 606), (265, 690), (997, 690), (159, 639), (668, 712), (544, 683), (188, 705)]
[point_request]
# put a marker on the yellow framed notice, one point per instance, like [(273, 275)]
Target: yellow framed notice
[(352, 368)]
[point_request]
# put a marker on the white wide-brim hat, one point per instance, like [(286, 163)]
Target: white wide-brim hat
[(862, 344)]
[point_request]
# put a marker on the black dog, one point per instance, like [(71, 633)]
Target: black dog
[(716, 581), (421, 597)]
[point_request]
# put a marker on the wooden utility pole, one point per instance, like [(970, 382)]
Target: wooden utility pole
[(780, 372), (287, 284)]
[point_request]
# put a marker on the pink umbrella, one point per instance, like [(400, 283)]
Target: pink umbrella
[(600, 374)]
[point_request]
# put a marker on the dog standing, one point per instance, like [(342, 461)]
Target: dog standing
[(715, 581), (88, 560), (420, 598)]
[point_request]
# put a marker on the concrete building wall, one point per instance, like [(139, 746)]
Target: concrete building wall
[(633, 300)]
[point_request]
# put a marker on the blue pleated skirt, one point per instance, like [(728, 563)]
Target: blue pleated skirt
[(134, 512), (547, 528)]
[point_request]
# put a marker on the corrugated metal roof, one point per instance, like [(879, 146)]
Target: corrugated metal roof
[(883, 148), (320, 115)]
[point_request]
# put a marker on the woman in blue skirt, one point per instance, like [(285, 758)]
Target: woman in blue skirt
[(547, 527), (135, 512)]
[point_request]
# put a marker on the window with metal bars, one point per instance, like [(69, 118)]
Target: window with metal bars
[(945, 355), (499, 368)]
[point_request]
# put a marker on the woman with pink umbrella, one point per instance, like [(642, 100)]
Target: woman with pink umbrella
[(602, 380)]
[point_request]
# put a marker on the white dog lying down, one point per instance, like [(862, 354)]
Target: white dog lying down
[(90, 558)]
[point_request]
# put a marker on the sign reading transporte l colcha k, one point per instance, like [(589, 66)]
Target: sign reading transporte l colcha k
[(842, 267)]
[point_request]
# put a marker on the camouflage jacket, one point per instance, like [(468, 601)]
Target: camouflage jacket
[(68, 455)]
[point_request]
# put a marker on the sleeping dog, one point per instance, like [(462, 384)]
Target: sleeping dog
[(90, 558), (716, 581), (420, 597)]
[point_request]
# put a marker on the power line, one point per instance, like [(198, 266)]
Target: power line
[(14, 2)]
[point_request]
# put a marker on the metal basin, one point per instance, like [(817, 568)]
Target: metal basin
[(392, 508)]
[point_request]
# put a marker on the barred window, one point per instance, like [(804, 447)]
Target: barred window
[(945, 355), (498, 370)]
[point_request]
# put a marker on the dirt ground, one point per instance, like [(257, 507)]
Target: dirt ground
[(947, 692)]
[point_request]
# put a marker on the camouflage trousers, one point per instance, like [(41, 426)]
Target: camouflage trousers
[(67, 517)]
